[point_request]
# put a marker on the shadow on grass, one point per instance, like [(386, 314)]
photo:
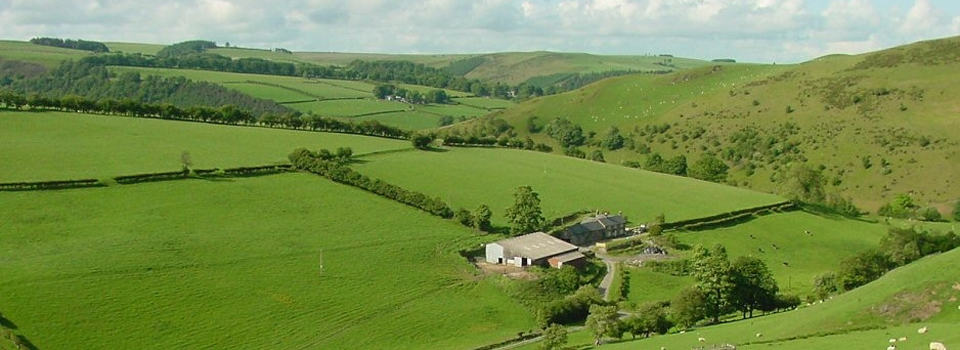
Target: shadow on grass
[(5, 323), (830, 213)]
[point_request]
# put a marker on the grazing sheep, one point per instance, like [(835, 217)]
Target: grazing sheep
[(893, 340), (937, 346), (903, 338), (922, 330), (759, 335), (702, 340), (892, 347)]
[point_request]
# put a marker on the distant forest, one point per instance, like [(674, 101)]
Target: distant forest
[(78, 44)]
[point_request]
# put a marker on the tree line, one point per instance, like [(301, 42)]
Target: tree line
[(95, 82), (78, 44), (900, 246), (333, 165), (227, 114), (383, 71)]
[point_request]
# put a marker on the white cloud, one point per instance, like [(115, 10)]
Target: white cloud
[(757, 30)]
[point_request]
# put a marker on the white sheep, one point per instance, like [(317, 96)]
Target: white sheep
[(922, 330), (702, 340), (892, 347), (937, 346), (903, 339), (759, 335), (893, 340)]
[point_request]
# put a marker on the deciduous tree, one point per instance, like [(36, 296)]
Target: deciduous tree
[(525, 215)]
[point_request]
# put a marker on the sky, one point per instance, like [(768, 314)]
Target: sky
[(784, 31)]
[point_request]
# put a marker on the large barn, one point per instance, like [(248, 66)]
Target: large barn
[(596, 228), (536, 248)]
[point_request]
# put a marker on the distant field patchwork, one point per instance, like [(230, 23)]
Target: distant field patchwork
[(338, 98)]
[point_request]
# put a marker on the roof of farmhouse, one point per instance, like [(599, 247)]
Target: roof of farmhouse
[(596, 223), (536, 245)]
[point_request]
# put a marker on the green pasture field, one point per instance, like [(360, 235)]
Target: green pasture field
[(453, 110), (349, 108), (284, 261), (270, 92), (48, 56), (410, 120), (484, 102), (52, 145), (146, 49), (794, 256), (468, 177), (647, 285)]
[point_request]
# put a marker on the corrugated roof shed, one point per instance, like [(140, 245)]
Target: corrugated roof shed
[(537, 245)]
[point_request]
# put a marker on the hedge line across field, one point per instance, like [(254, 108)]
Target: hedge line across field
[(148, 177)]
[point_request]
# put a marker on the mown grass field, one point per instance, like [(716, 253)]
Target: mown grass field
[(468, 177), (52, 145), (236, 263), (649, 286), (335, 98), (924, 293)]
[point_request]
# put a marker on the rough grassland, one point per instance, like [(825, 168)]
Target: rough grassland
[(798, 257), (896, 108), (468, 177), (236, 264), (52, 145)]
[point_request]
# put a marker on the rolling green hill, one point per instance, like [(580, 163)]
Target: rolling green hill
[(281, 261), (877, 123)]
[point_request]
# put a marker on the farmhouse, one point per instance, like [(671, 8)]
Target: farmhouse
[(599, 227), (536, 248)]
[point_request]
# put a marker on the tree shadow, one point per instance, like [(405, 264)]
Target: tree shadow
[(6, 323)]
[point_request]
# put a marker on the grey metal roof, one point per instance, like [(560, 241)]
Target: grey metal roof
[(536, 245), (569, 256), (596, 223)]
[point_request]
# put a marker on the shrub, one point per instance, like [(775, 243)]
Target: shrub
[(843, 206), (930, 214), (597, 156)]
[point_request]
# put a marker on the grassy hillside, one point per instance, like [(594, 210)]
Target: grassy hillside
[(793, 256), (51, 145), (875, 122), (468, 177), (237, 264), (542, 66), (351, 100), (925, 293)]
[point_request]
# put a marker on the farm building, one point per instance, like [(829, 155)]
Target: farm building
[(536, 248), (596, 228)]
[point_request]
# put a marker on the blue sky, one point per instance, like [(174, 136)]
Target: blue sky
[(748, 30)]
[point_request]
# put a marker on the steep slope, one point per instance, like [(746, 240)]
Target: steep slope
[(924, 293), (879, 124)]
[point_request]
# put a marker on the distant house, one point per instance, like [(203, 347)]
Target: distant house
[(536, 248), (596, 228)]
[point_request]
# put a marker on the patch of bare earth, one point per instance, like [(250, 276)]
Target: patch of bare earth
[(504, 270), (916, 305)]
